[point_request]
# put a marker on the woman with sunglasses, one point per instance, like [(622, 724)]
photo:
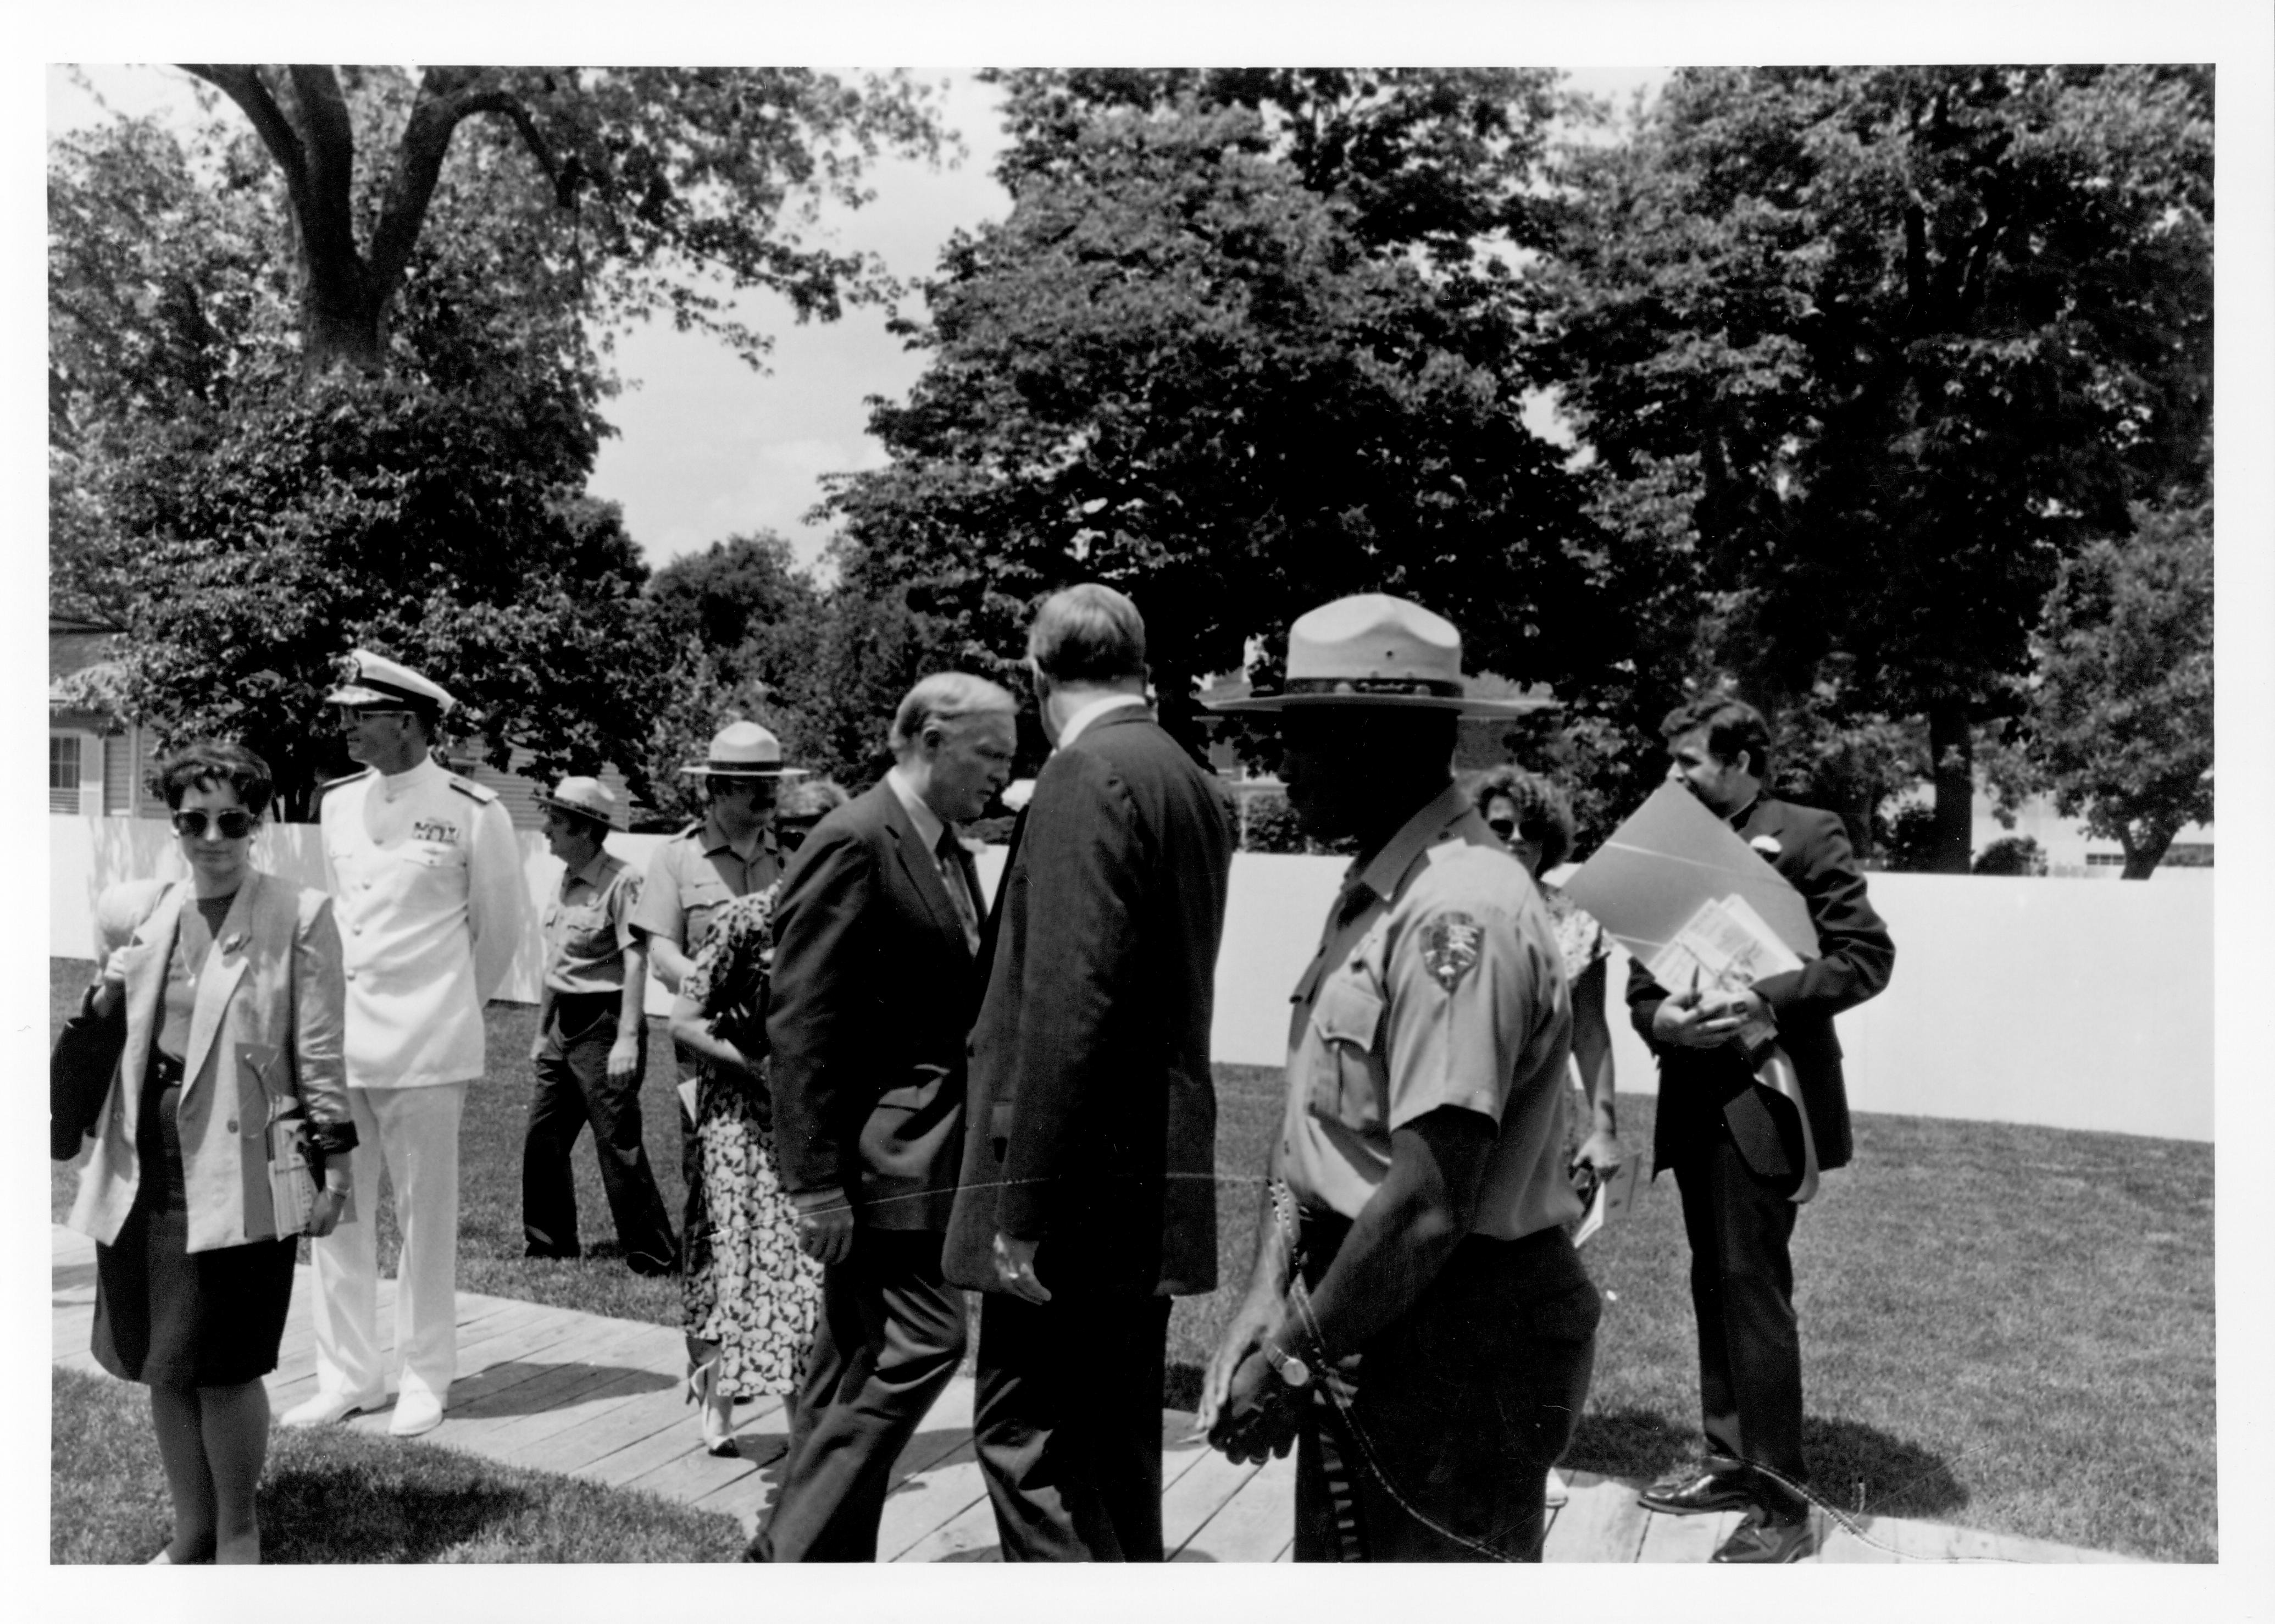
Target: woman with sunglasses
[(749, 1296), (222, 1139), (1533, 819)]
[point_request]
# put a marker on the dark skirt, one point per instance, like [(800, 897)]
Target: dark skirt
[(171, 1318)]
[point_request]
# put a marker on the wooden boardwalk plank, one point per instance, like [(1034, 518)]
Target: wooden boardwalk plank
[(556, 1390), (1684, 1539), (1600, 1521), (926, 1501), (1255, 1523)]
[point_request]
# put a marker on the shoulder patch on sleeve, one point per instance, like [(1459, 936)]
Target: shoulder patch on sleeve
[(471, 790), (1451, 944)]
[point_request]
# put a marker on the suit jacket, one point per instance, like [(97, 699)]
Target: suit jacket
[(1699, 1089), (1092, 1126), (264, 1047), (874, 992)]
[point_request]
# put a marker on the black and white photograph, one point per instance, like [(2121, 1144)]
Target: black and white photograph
[(1123, 809)]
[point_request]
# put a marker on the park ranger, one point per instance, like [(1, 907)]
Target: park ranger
[(426, 876), (1417, 1321)]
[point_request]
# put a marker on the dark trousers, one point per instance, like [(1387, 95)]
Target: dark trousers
[(572, 1089), (1741, 1226), (1450, 1418), (1066, 1423), (891, 1336)]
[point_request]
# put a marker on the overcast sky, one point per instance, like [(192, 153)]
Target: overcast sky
[(705, 447)]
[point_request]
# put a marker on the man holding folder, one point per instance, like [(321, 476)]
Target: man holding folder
[(1742, 1155)]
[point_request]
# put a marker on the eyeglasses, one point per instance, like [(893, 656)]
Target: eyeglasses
[(1508, 828), (232, 823), (789, 836), (351, 714)]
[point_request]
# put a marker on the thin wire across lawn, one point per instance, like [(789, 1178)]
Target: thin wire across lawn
[(2005, 1327)]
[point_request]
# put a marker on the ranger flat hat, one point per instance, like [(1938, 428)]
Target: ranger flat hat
[(744, 750), (1379, 650), (586, 798), (371, 679)]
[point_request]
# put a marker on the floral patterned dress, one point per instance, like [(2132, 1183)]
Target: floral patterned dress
[(744, 1284), (1579, 937)]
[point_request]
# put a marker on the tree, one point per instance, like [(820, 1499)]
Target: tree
[(1888, 344), (653, 178), (2120, 722), (1247, 341), (248, 525)]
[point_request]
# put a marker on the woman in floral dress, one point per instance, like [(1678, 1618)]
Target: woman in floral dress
[(750, 1297)]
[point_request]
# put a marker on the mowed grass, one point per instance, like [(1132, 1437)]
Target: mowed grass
[(2010, 1328), (330, 1495)]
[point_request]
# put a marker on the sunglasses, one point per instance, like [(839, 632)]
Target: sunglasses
[(233, 823), (351, 714), (1508, 828)]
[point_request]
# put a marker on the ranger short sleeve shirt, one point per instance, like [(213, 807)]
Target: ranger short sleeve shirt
[(1438, 982)]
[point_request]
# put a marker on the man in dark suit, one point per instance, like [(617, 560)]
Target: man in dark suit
[(1086, 1197), (1742, 1155), (876, 934)]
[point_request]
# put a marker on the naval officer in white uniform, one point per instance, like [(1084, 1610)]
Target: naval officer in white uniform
[(425, 880)]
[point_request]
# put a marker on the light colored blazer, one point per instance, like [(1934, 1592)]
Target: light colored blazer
[(264, 1050)]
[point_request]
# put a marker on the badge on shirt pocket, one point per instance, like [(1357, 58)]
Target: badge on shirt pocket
[(1345, 1021)]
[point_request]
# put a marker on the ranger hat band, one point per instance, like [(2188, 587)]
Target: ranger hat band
[(1377, 651), (585, 797), (369, 679), (744, 750)]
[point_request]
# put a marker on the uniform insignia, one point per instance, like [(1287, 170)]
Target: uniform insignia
[(471, 790), (1450, 945), (434, 829)]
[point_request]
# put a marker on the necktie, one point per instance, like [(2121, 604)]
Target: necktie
[(962, 881)]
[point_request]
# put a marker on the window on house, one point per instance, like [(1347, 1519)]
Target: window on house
[(63, 772)]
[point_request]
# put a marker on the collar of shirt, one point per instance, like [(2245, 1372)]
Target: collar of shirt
[(714, 839), (1737, 820), (928, 822), (1091, 712), (591, 874), (395, 786), (1385, 869)]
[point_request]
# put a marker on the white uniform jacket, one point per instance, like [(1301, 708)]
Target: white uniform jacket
[(263, 1054), (425, 875)]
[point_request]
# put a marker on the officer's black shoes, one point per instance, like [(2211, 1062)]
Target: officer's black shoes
[(1694, 1489), (1784, 1535)]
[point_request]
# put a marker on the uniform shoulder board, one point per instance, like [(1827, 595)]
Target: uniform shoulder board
[(471, 790), (694, 827), (331, 784)]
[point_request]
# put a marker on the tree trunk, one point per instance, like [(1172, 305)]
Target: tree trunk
[(1951, 745), (2142, 854), (335, 332)]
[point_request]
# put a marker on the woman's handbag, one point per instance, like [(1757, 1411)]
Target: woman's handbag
[(80, 1070)]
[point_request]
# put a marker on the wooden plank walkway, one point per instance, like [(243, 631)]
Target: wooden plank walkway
[(555, 1390)]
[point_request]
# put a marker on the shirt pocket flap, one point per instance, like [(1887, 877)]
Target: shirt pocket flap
[(1348, 1011), (1346, 1021)]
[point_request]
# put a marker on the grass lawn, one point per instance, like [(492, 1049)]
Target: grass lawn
[(2005, 1327), (329, 1495)]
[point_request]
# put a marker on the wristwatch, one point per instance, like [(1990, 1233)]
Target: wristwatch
[(1287, 1366)]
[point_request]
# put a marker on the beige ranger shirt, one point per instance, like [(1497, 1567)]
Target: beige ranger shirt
[(425, 880), (588, 925), (1438, 982), (694, 874)]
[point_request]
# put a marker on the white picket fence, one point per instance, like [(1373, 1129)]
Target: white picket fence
[(2059, 1003)]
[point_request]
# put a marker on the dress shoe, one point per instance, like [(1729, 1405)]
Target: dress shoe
[(1767, 1535), (323, 1409), (1686, 1493), (415, 1412)]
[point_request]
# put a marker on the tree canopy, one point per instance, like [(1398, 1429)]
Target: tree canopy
[(247, 524), (1247, 341), (2120, 720), (1865, 354), (659, 187)]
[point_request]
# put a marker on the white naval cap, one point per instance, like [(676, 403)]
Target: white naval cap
[(369, 679)]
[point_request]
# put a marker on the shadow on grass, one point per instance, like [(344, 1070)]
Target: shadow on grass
[(1853, 1467), (347, 1516)]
